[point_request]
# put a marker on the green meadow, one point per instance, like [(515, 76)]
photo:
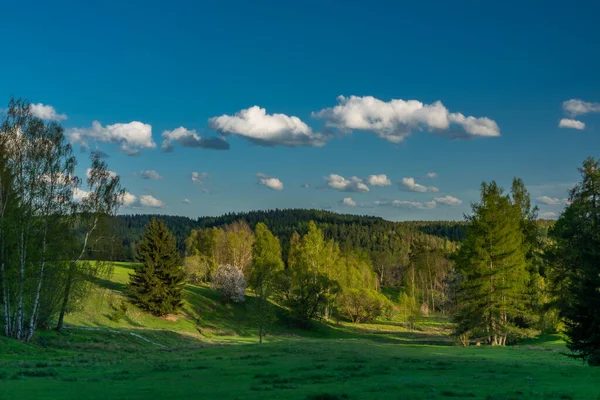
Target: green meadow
[(210, 350)]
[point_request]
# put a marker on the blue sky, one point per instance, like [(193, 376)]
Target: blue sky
[(145, 68)]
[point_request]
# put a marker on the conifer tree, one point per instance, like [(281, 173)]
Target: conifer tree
[(575, 261), (492, 262), (157, 284)]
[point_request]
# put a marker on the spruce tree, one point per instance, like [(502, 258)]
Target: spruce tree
[(575, 262), (492, 264), (157, 284)]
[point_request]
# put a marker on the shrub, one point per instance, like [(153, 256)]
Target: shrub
[(119, 311), (362, 305), (230, 282)]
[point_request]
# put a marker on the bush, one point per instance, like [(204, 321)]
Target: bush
[(230, 282), (119, 311), (363, 305)]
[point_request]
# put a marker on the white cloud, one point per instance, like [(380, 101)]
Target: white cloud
[(305, 185), (397, 119), (410, 185), (60, 179), (379, 180), (549, 215), (150, 174), (46, 112), (130, 136), (349, 202), (551, 201), (432, 175), (190, 138), (338, 182), (448, 200), (571, 123), (576, 107), (80, 194), (128, 200), (186, 201), (200, 177), (147, 200), (265, 129), (88, 173), (270, 182), (406, 204)]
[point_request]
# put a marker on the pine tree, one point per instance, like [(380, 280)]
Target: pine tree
[(492, 262), (157, 284), (575, 260)]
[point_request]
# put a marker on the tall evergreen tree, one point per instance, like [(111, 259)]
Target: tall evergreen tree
[(575, 260), (157, 284), (492, 262)]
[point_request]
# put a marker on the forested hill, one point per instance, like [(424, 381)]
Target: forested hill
[(350, 231)]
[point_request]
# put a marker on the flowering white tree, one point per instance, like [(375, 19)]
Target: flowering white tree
[(230, 282)]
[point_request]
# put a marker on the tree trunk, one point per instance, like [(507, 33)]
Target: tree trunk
[(20, 315), (5, 304), (65, 303), (36, 302)]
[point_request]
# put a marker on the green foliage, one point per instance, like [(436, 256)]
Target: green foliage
[(492, 263), (575, 264), (363, 305), (157, 284), (266, 265)]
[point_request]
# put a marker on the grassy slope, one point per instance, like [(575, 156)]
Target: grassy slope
[(100, 359)]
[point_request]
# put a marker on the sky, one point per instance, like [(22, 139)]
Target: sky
[(393, 109)]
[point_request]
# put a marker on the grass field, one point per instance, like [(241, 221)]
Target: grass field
[(210, 352)]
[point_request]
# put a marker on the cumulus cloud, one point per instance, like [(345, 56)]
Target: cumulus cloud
[(405, 204), (576, 107), (128, 200), (150, 174), (265, 129), (432, 175), (412, 186), (338, 182), (571, 123), (46, 112), (448, 200), (131, 136), (269, 181), (551, 201), (147, 200), (186, 201), (80, 194), (200, 177), (378, 180), (349, 202), (396, 119), (190, 138)]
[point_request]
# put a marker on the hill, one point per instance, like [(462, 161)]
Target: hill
[(367, 233), (210, 351)]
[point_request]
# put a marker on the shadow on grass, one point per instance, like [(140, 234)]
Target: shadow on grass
[(108, 284)]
